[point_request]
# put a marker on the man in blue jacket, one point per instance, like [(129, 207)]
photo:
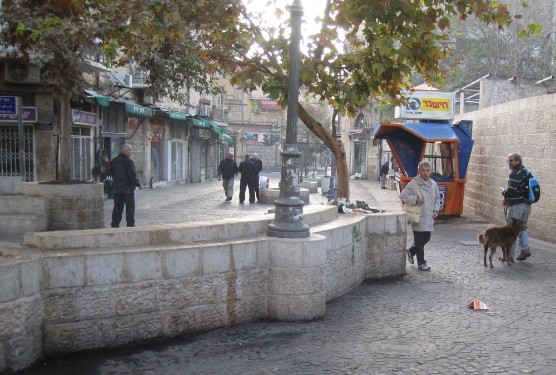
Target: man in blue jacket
[(124, 183)]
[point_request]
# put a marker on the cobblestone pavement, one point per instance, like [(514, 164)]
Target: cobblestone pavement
[(418, 323)]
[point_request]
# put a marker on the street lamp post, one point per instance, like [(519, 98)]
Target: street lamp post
[(288, 219), (333, 189)]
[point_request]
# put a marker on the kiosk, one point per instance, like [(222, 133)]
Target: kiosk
[(446, 146)]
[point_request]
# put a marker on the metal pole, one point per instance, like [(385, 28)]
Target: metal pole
[(19, 106), (288, 220)]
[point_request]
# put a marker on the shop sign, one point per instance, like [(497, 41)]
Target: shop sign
[(427, 105), (44, 125), (83, 118), (29, 115), (7, 105)]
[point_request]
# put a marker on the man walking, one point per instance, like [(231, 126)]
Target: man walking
[(259, 167), (228, 170), (516, 206), (124, 182), (248, 171), (384, 169)]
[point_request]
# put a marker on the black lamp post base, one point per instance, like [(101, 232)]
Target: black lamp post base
[(288, 230)]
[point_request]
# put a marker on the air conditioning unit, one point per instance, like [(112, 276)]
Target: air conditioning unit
[(123, 79), (148, 99), (21, 72)]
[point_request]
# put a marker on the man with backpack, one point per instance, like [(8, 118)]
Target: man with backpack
[(517, 205)]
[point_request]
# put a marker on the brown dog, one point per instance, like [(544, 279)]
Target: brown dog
[(503, 236)]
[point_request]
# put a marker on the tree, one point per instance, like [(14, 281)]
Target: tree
[(365, 49), (167, 38), (523, 49)]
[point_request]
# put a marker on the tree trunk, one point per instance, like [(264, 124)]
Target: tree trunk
[(65, 140), (336, 147)]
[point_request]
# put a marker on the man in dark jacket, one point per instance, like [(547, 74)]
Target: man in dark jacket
[(515, 202), (259, 167), (248, 171), (124, 182), (384, 169), (228, 170)]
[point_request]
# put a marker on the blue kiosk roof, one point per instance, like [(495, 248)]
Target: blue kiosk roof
[(428, 132)]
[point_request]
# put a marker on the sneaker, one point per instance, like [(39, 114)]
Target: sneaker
[(424, 267), (524, 255), (228, 199), (410, 257)]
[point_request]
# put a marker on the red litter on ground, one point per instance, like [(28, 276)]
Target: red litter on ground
[(476, 304)]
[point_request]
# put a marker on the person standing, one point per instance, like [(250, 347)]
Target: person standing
[(228, 170), (384, 169), (422, 191), (516, 206), (259, 167), (248, 171), (124, 183)]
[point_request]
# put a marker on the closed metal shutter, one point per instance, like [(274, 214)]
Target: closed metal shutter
[(9, 153), (195, 157)]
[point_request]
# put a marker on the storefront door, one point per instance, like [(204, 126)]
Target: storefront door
[(81, 154)]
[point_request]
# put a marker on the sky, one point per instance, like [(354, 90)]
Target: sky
[(311, 10)]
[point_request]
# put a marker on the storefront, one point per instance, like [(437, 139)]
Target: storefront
[(82, 146), (10, 159)]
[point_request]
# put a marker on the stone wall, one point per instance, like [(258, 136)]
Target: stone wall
[(21, 313), (81, 293), (71, 206), (524, 126)]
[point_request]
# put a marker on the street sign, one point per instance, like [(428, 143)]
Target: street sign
[(7, 105)]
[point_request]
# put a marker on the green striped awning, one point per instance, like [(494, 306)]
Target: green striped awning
[(136, 109), (200, 123), (177, 115), (102, 100)]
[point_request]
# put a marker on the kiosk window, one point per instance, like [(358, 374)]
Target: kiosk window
[(440, 156)]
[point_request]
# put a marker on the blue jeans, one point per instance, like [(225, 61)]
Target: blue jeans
[(519, 211)]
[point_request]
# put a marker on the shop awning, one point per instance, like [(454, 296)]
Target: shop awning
[(178, 115), (102, 100), (136, 109), (199, 122), (227, 137)]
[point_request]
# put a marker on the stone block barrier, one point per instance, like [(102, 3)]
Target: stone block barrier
[(92, 289), (71, 206), (312, 186)]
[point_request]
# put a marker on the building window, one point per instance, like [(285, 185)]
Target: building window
[(440, 156)]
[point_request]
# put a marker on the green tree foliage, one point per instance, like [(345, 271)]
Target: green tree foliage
[(365, 49), (173, 40)]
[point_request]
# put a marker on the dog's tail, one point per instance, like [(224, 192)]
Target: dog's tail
[(481, 238)]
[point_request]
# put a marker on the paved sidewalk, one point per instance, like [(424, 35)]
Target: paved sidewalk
[(418, 323), (205, 201)]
